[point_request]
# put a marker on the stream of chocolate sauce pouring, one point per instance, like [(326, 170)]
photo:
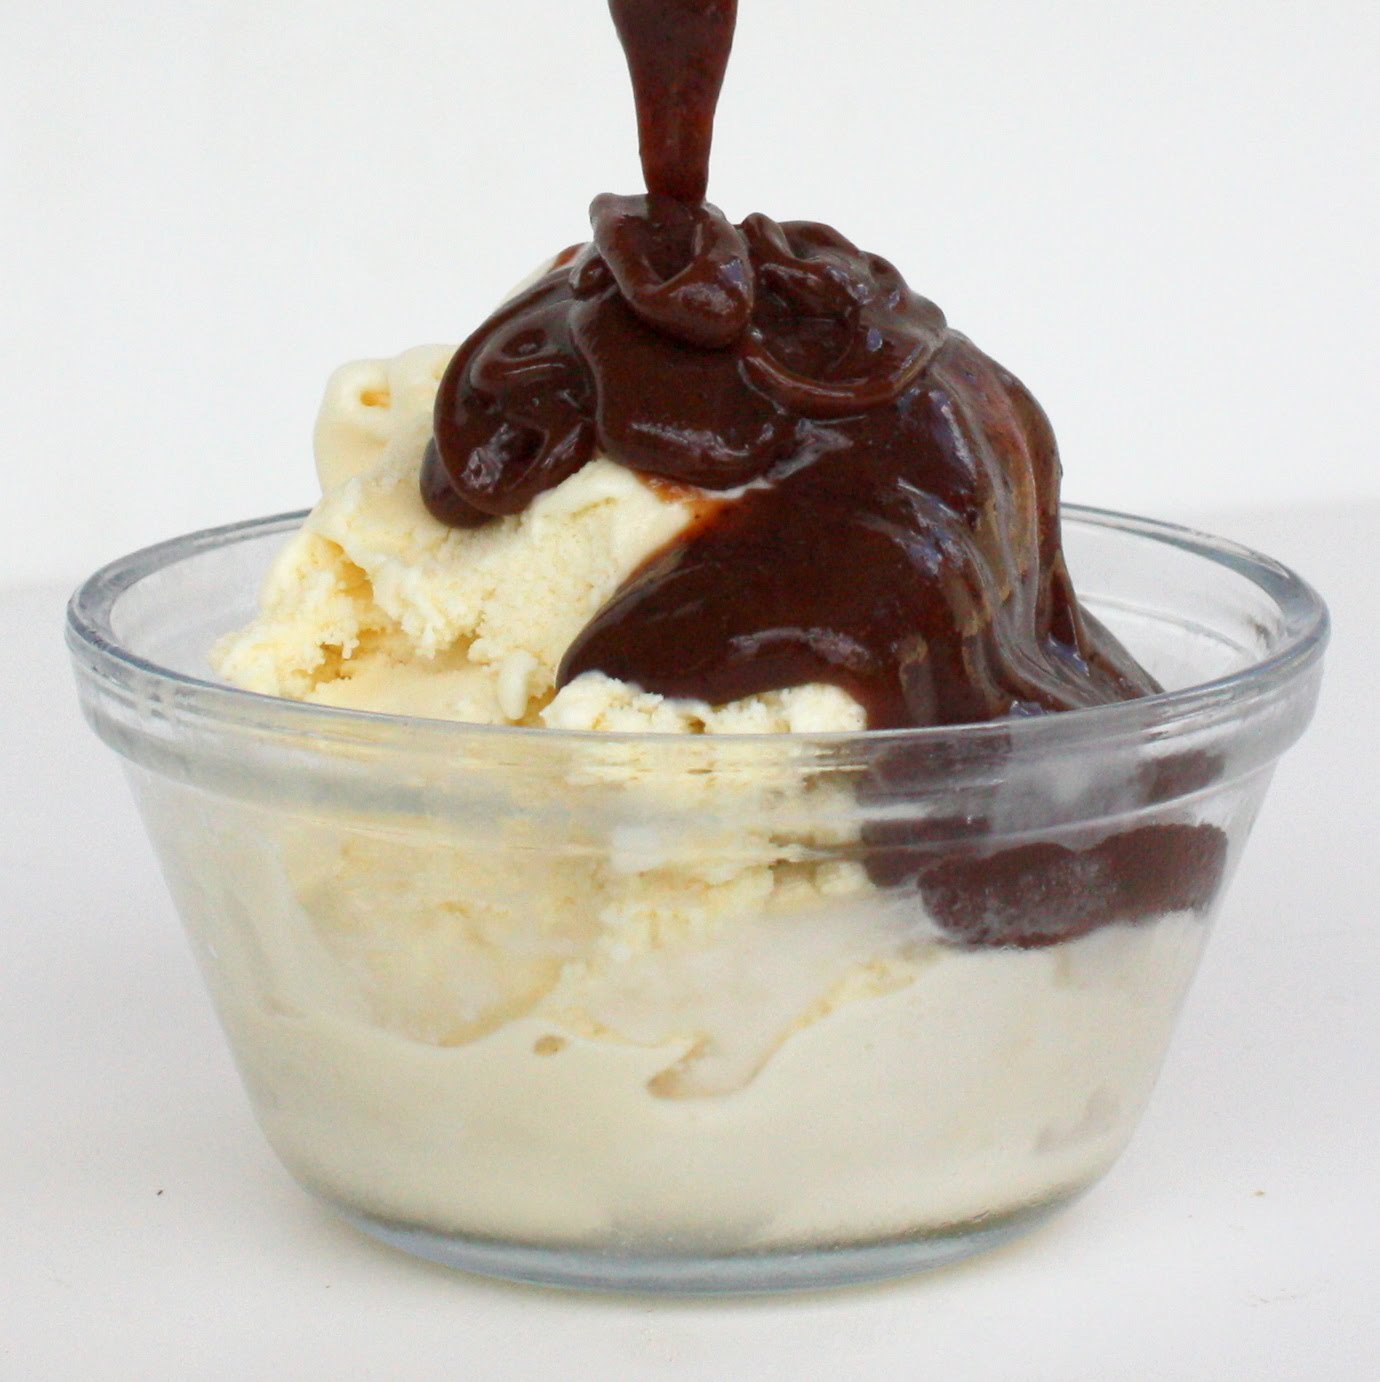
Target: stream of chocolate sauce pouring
[(889, 520), (677, 54)]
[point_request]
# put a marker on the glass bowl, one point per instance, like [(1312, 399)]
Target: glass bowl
[(702, 1012)]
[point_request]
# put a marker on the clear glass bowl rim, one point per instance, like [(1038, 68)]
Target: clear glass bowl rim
[(1295, 650)]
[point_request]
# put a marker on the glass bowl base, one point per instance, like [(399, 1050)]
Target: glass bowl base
[(755, 1273)]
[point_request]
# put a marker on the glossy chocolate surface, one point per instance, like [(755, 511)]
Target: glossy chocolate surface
[(878, 500), (890, 516)]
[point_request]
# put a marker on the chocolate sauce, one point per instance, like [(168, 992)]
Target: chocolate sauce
[(899, 532), (890, 514), (1042, 894), (677, 53)]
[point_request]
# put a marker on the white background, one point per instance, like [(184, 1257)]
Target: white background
[(1161, 213)]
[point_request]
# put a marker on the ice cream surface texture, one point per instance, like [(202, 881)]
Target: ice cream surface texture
[(376, 605), (768, 1068)]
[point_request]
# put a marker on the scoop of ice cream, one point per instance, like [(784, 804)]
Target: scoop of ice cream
[(376, 605)]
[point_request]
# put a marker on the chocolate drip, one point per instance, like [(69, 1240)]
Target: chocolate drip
[(889, 511), (1042, 894), (898, 533)]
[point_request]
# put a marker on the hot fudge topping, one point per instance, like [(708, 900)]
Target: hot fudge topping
[(890, 520), (879, 500)]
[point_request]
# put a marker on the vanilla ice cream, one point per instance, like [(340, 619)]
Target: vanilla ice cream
[(686, 1027), (378, 606), (744, 1069)]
